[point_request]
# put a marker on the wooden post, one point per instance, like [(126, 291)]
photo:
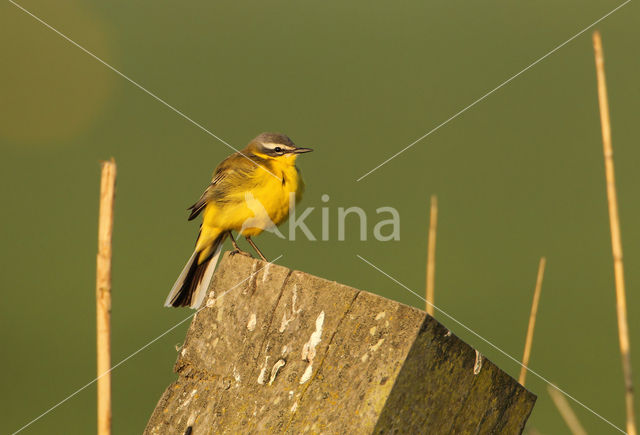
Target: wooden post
[(532, 322), (297, 353), (431, 255), (616, 240), (103, 296)]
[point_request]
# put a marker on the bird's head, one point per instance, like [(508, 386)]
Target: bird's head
[(275, 146)]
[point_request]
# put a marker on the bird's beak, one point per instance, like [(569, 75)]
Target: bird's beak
[(302, 150)]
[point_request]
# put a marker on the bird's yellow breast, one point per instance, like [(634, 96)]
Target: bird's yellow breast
[(260, 201)]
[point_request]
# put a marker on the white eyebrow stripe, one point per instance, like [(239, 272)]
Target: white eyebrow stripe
[(272, 146)]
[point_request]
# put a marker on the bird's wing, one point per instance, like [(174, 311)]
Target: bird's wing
[(197, 208), (231, 172)]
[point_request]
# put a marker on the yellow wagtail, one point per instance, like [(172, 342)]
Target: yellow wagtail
[(250, 191)]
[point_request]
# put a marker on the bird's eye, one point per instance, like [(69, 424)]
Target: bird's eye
[(278, 149)]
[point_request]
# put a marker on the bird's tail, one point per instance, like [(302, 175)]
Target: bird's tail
[(192, 284)]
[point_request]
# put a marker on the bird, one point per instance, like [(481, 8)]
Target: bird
[(250, 191)]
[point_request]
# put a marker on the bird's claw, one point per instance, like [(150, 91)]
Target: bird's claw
[(241, 252)]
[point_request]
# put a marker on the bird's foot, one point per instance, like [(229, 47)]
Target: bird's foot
[(241, 252)]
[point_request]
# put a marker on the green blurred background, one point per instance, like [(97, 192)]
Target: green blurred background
[(518, 176)]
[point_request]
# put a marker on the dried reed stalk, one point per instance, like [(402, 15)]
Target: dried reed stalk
[(103, 296), (532, 322), (431, 255), (616, 242), (566, 412)]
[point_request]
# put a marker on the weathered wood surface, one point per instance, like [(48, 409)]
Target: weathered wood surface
[(281, 351)]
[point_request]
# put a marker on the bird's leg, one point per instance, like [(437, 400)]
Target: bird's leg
[(233, 241), (255, 247), (236, 248)]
